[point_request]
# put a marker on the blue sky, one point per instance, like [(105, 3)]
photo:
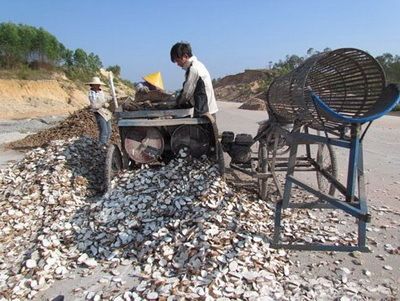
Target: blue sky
[(227, 36)]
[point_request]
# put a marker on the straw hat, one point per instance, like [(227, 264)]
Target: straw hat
[(155, 79), (95, 81)]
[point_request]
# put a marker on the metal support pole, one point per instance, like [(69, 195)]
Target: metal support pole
[(290, 171), (308, 148), (362, 225), (353, 162), (277, 224)]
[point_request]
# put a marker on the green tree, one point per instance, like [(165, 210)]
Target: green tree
[(68, 57), (46, 48), (30, 47), (80, 58), (27, 35), (80, 65), (291, 62), (116, 70), (10, 42), (93, 61), (391, 65)]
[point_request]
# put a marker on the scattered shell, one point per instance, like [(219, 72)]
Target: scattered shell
[(367, 273), (30, 264), (90, 262), (233, 266), (152, 296), (179, 231)]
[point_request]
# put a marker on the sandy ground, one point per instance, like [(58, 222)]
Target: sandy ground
[(382, 173), (382, 168), (11, 130)]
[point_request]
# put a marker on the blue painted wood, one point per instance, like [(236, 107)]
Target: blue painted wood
[(302, 138), (387, 103), (355, 206), (350, 208)]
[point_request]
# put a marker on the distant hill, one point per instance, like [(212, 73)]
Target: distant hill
[(243, 86), (248, 87), (51, 93)]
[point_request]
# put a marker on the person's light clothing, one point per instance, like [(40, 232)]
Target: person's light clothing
[(198, 89), (99, 104), (142, 88)]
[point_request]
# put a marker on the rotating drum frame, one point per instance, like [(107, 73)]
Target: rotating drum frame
[(335, 92), (332, 90)]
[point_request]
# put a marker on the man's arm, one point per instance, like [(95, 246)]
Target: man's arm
[(190, 85)]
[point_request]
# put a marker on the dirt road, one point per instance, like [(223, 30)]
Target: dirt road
[(12, 130), (379, 269), (382, 172)]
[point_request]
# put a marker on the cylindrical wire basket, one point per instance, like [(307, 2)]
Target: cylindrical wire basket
[(348, 80)]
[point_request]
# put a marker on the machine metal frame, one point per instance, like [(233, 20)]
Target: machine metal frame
[(334, 93), (117, 157)]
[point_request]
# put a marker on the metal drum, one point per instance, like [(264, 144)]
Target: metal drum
[(348, 81), (144, 144), (192, 137)]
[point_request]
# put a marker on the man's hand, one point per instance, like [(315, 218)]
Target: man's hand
[(179, 101), (178, 98)]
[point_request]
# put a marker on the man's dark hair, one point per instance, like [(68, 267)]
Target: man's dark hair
[(179, 50)]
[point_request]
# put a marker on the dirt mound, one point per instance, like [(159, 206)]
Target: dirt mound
[(56, 95), (246, 77), (255, 104), (242, 86), (80, 123), (33, 98)]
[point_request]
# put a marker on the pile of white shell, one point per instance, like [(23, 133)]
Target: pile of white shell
[(184, 232)]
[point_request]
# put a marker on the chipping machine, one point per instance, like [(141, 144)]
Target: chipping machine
[(152, 136)]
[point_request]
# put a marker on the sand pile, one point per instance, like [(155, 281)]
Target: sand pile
[(243, 86), (255, 104)]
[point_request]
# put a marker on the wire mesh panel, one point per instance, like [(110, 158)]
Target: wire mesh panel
[(348, 80)]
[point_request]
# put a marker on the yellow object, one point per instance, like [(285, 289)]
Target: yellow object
[(155, 79)]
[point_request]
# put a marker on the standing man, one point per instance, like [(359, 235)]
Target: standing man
[(197, 88), (198, 92), (99, 105)]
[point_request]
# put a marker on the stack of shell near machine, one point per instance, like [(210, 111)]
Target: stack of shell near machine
[(153, 131)]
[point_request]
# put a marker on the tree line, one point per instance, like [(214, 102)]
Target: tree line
[(23, 45)]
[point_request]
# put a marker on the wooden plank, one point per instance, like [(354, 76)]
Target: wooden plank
[(161, 122), (155, 113)]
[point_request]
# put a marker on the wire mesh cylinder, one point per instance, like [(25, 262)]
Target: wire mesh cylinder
[(348, 80)]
